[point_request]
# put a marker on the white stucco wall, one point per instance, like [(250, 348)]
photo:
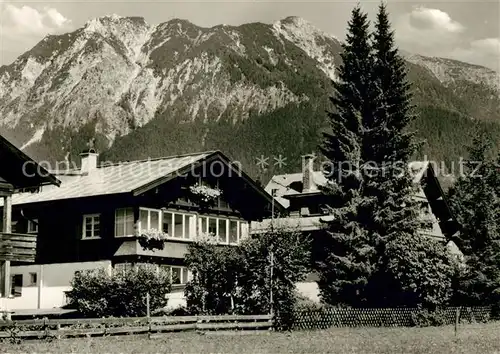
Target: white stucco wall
[(309, 290), (52, 282)]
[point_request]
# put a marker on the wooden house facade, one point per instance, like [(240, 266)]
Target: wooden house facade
[(19, 173), (96, 217)]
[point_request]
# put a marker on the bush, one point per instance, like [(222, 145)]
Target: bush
[(96, 293), (291, 264), (178, 311), (420, 272), (215, 272), (237, 279), (426, 318)]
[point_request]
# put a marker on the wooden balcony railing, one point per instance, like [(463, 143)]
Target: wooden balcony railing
[(17, 247)]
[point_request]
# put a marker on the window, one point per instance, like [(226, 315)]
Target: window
[(243, 230), (222, 230), (150, 219), (187, 225), (233, 231), (223, 204), (33, 279), (167, 223), (203, 225), (16, 285), (212, 226), (226, 230), (178, 275), (33, 226), (124, 222), (178, 225), (91, 226), (123, 267)]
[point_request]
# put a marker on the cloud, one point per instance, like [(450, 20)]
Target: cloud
[(425, 29), (484, 52), (21, 27), (26, 21), (432, 32), (57, 18), (433, 19)]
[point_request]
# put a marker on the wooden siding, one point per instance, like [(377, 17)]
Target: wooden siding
[(17, 247), (60, 222)]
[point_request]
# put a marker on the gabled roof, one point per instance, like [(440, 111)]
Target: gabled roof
[(134, 177), (423, 174), (290, 184), (21, 171)]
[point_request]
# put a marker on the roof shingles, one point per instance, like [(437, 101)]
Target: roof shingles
[(114, 179)]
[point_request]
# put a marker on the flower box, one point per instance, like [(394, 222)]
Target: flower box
[(152, 239), (204, 196)]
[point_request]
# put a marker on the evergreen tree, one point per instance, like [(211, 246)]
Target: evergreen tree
[(475, 201), (391, 215), (392, 144), (396, 141), (345, 266), (411, 269)]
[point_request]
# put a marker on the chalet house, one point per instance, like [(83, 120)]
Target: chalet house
[(94, 218), (19, 173), (300, 195)]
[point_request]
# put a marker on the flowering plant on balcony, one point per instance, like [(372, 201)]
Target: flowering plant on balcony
[(204, 195), (152, 239), (206, 237)]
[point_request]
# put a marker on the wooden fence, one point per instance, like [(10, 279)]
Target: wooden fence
[(61, 328), (322, 318), (306, 319)]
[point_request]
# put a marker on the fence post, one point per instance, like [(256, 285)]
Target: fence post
[(148, 314), (457, 317), (271, 300)]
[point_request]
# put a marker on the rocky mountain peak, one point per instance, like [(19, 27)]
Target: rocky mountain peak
[(450, 71), (175, 87)]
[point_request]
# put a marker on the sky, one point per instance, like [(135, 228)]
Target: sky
[(463, 30)]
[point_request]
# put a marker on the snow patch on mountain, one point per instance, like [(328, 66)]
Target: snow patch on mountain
[(272, 55), (37, 137)]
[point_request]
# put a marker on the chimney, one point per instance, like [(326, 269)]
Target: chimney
[(89, 161), (307, 173)]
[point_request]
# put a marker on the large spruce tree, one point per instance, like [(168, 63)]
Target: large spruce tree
[(392, 143), (475, 200), (345, 264), (373, 254), (404, 275)]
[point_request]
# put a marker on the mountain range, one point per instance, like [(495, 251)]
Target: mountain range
[(252, 91)]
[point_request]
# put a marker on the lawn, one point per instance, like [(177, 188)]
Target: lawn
[(477, 338)]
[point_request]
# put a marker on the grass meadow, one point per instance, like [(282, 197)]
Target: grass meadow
[(474, 338)]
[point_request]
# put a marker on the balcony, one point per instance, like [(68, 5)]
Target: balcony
[(17, 247), (310, 223), (131, 247)]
